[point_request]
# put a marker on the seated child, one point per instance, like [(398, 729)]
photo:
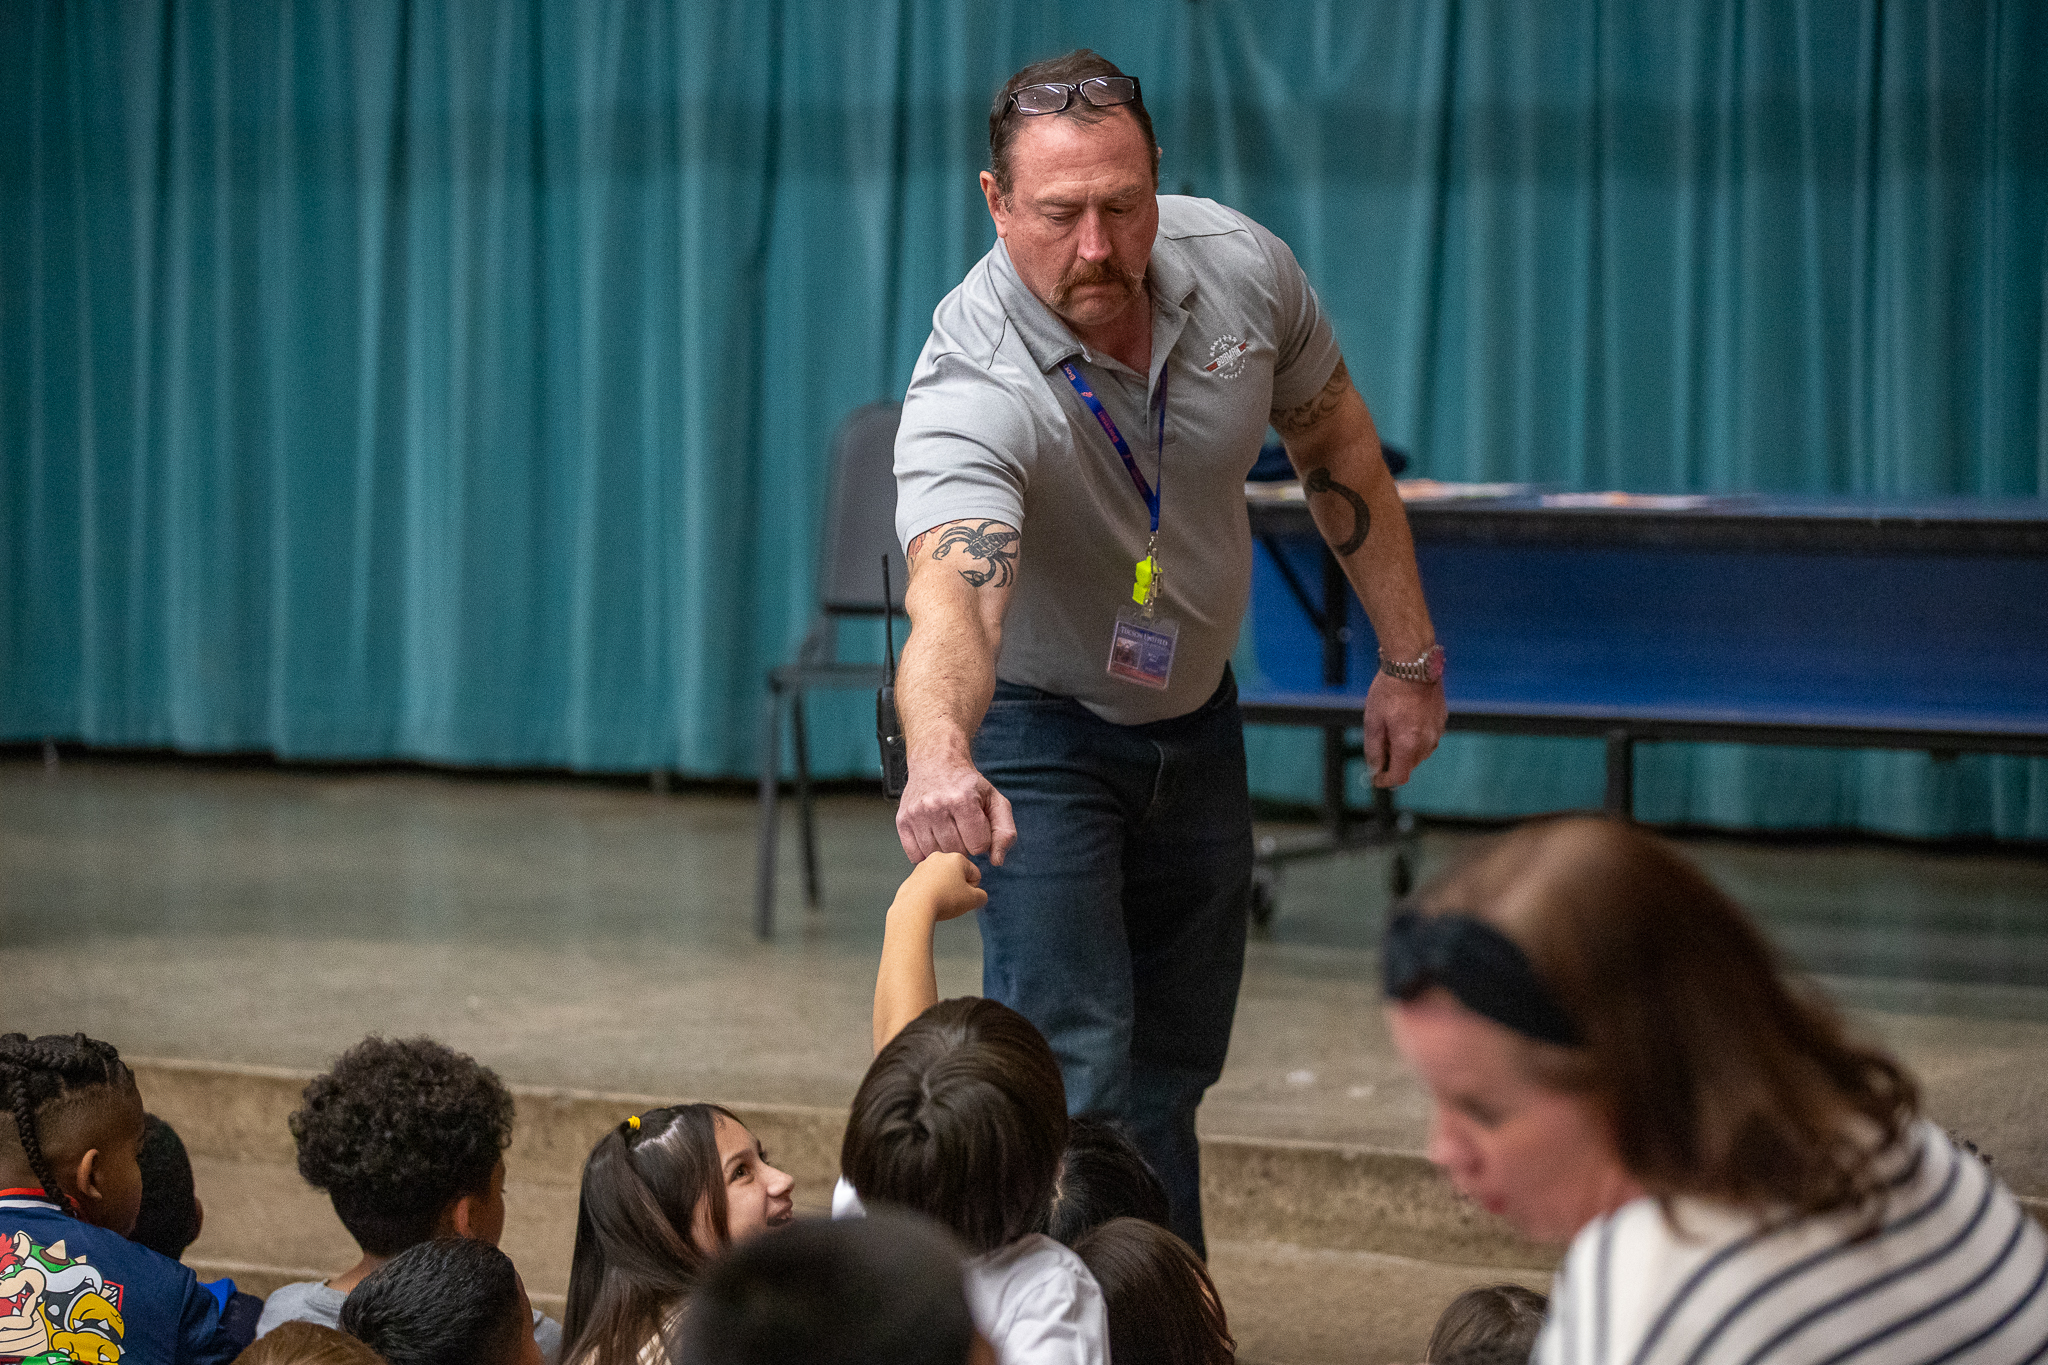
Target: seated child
[(885, 1288), (1163, 1307), (72, 1286), (308, 1343), (1494, 1324), (407, 1138), (449, 1301), (1102, 1176), (663, 1193), (171, 1217), (963, 1117)]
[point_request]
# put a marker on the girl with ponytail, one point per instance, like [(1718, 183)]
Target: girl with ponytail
[(663, 1193)]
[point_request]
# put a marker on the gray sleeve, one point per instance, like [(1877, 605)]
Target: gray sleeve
[(547, 1334), (961, 450), (1308, 350)]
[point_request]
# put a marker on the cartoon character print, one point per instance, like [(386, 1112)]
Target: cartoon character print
[(54, 1310)]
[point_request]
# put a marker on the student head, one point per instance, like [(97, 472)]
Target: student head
[(961, 1117), (1494, 1324), (882, 1288), (449, 1301), (407, 1138), (1163, 1309), (171, 1214), (1596, 1020), (307, 1343), (74, 1126), (1102, 1176), (663, 1193)]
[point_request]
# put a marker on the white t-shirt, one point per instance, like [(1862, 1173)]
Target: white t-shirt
[(1037, 1304), (1957, 1271), (1035, 1301)]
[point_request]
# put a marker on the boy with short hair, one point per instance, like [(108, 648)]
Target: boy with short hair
[(72, 1286), (449, 1301), (887, 1287), (407, 1138), (171, 1217)]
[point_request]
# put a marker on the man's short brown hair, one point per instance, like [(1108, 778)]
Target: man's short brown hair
[(1079, 65)]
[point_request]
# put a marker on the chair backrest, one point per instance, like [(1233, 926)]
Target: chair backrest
[(860, 520)]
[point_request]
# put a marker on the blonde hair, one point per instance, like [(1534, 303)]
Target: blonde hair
[(307, 1343)]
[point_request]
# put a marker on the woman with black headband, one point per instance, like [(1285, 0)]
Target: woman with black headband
[(1615, 1059)]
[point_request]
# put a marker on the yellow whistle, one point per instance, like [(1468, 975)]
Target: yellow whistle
[(1142, 592)]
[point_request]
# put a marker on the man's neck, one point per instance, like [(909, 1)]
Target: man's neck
[(1127, 336)]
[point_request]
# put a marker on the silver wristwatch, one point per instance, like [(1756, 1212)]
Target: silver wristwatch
[(1427, 668)]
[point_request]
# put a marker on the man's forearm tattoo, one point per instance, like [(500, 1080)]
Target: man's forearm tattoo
[(1294, 421), (991, 542), (1319, 481)]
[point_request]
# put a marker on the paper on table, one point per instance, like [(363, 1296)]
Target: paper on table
[(1411, 490), (1654, 502), (1436, 490)]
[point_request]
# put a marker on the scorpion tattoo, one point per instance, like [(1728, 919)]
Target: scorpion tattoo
[(994, 547)]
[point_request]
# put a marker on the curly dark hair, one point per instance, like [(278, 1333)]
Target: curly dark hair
[(396, 1132), (41, 1075)]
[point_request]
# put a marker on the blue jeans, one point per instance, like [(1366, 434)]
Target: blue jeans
[(1117, 924)]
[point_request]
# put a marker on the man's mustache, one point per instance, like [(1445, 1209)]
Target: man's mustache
[(1084, 273)]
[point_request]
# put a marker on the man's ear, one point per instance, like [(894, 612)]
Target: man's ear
[(998, 207)]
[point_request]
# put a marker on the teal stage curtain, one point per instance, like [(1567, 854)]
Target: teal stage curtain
[(452, 381)]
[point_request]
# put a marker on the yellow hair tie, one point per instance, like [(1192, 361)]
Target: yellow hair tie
[(634, 1123)]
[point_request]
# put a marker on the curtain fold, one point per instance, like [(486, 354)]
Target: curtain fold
[(425, 379)]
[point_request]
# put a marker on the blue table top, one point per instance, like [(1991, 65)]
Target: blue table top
[(1735, 521)]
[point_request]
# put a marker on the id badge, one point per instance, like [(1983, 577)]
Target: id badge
[(1141, 649)]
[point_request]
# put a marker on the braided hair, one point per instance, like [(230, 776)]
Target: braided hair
[(37, 1072)]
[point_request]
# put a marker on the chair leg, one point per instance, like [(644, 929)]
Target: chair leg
[(769, 756), (1621, 774), (803, 798), (1336, 814)]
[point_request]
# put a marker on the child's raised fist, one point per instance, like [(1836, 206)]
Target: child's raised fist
[(949, 883)]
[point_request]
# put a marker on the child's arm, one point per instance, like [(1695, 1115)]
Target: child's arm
[(943, 886)]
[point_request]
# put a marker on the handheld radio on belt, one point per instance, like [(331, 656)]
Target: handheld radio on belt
[(888, 726)]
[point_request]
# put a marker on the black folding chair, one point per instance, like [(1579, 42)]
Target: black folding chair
[(860, 528)]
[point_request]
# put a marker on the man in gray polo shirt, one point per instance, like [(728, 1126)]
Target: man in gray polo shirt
[(1070, 491)]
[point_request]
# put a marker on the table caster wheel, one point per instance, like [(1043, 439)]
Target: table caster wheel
[(1265, 900)]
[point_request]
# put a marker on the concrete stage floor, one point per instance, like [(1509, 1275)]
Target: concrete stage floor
[(596, 937)]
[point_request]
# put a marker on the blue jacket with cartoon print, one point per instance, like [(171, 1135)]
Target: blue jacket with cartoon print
[(70, 1291)]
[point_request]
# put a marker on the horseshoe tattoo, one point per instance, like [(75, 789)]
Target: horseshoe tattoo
[(1319, 481)]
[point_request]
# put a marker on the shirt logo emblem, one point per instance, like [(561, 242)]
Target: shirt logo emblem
[(1226, 357)]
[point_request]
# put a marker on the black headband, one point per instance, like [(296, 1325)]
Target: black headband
[(1479, 965)]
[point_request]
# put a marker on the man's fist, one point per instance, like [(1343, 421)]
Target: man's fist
[(952, 808)]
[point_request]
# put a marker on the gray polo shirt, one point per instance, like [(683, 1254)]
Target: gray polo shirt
[(992, 429)]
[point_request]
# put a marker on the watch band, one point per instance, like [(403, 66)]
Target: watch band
[(1428, 667)]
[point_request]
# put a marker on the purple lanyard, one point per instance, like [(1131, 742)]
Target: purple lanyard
[(1148, 491)]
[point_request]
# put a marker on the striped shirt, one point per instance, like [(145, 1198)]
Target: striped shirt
[(1957, 1271)]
